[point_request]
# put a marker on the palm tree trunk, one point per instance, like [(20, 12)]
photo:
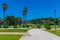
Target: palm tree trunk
[(24, 19), (55, 21), (4, 18)]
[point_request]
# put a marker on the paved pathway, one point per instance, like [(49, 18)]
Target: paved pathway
[(39, 34)]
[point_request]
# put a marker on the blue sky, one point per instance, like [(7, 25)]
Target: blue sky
[(36, 8)]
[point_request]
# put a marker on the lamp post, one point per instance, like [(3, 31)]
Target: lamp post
[(55, 19), (4, 6)]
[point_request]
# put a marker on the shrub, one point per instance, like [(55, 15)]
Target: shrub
[(0, 26), (47, 26), (38, 26), (5, 26), (15, 26), (20, 25), (25, 25)]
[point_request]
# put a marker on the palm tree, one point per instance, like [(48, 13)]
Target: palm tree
[(4, 6), (24, 14), (55, 18)]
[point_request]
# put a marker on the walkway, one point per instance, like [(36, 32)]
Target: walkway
[(39, 34)]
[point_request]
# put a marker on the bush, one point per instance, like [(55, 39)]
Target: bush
[(15, 26), (0, 26), (23, 25), (20, 25), (26, 26), (5, 26), (38, 26), (47, 26)]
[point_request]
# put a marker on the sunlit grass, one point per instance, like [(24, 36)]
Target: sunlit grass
[(54, 32), (10, 37), (14, 30)]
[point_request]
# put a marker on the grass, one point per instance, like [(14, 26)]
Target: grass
[(13, 30), (53, 26), (56, 33), (9, 37), (33, 25)]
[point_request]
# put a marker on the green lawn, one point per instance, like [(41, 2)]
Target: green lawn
[(56, 33), (33, 25), (13, 30), (53, 26), (9, 37)]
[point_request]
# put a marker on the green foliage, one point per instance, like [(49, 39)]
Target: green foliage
[(26, 26), (59, 24), (10, 36), (0, 26), (11, 20), (14, 30), (15, 26), (56, 33), (47, 26), (5, 26), (23, 25), (39, 26), (19, 25)]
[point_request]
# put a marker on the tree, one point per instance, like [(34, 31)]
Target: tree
[(4, 6), (51, 21), (55, 19), (33, 21), (10, 20), (24, 14)]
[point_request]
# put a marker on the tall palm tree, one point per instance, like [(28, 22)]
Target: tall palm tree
[(55, 18), (24, 14), (4, 6)]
